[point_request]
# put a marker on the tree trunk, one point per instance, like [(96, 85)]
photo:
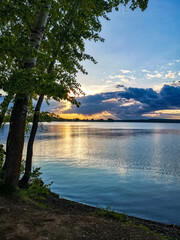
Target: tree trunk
[(4, 108), (15, 141), (25, 179)]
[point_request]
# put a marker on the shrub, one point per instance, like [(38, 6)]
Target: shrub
[(37, 190)]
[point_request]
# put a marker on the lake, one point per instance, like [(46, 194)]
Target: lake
[(130, 167)]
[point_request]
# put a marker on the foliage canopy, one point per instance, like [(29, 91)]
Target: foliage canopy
[(70, 23)]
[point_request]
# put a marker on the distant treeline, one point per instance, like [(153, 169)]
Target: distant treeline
[(50, 117), (112, 120)]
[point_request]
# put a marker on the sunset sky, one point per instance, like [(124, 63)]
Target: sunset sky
[(141, 54)]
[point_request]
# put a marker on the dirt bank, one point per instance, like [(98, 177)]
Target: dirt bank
[(63, 219)]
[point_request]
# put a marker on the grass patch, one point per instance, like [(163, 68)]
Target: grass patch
[(108, 212), (153, 233)]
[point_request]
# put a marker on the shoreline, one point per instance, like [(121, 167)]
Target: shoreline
[(112, 210), (58, 218), (113, 121), (57, 202)]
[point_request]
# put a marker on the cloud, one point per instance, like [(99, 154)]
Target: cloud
[(171, 114), (125, 71), (111, 100), (144, 70), (175, 84), (170, 75), (131, 77), (123, 78), (158, 87), (157, 75), (132, 103), (120, 86), (162, 75), (53, 106), (117, 76)]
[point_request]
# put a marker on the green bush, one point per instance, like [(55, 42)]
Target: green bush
[(37, 190)]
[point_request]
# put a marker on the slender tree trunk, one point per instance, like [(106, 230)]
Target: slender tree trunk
[(15, 141), (4, 107), (25, 179)]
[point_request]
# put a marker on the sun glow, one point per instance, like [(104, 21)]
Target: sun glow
[(103, 115)]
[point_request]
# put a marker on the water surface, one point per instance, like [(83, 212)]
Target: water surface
[(130, 167)]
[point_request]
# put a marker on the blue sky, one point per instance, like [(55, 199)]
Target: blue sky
[(135, 41), (141, 51)]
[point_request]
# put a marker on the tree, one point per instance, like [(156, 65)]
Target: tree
[(25, 55), (18, 117)]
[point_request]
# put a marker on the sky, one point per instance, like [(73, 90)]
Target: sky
[(138, 70)]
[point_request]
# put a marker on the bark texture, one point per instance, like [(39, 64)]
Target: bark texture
[(25, 179), (15, 140)]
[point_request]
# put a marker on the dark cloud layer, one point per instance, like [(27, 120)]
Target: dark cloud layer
[(131, 103)]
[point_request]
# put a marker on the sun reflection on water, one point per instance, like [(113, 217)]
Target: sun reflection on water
[(82, 145)]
